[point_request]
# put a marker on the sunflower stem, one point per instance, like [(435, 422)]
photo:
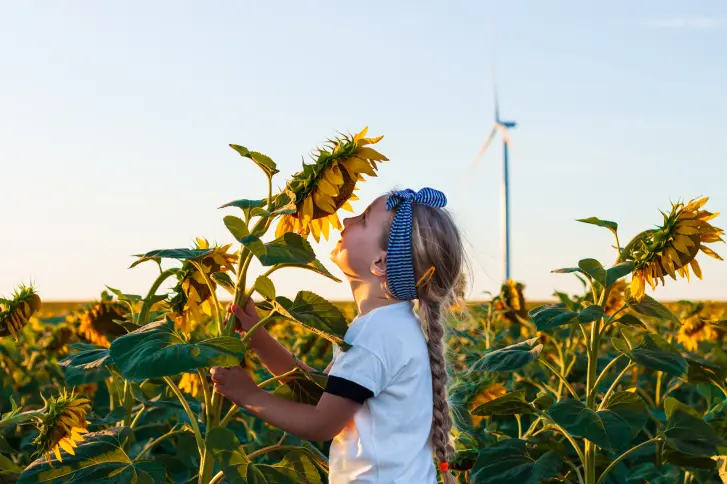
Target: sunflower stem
[(623, 456), (21, 417), (614, 384), (146, 305), (561, 377), (156, 442), (190, 415)]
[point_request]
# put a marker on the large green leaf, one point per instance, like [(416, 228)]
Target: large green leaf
[(699, 373), (296, 467), (509, 358), (649, 306), (179, 254), (316, 266), (266, 164), (224, 280), (289, 248), (99, 457), (247, 206), (510, 404), (303, 387), (158, 350), (631, 320), (509, 461), (686, 433), (654, 352), (315, 313), (630, 407), (553, 315), (605, 428)]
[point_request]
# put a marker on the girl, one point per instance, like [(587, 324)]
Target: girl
[(385, 403)]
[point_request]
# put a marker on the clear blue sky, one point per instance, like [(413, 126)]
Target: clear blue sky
[(115, 120)]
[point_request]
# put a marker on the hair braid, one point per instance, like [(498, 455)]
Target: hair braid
[(441, 420)]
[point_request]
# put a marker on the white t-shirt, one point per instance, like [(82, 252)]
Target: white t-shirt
[(388, 441)]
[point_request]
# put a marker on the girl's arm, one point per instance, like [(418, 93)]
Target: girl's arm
[(319, 422), (276, 357)]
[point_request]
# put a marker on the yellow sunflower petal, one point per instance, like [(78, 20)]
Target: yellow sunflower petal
[(324, 202), (57, 452), (333, 175), (370, 154), (335, 222), (308, 209), (361, 134), (710, 252), (347, 207), (696, 204), (327, 187), (325, 227), (66, 446)]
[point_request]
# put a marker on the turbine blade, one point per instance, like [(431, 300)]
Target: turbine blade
[(503, 132), (487, 142)]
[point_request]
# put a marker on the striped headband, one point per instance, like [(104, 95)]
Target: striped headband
[(399, 259)]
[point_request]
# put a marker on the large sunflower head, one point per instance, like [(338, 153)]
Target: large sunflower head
[(327, 185), (487, 394), (695, 327), (62, 425), (16, 311), (193, 296), (97, 322), (672, 248), (616, 298)]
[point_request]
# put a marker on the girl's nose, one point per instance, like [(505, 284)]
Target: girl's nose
[(346, 221)]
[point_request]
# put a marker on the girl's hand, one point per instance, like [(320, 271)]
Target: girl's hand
[(244, 318), (234, 383)]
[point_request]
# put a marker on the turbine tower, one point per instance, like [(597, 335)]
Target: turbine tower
[(501, 127)]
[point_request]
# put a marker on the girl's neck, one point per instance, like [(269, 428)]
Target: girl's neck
[(369, 295)]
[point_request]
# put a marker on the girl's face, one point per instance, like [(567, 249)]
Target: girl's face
[(359, 254)]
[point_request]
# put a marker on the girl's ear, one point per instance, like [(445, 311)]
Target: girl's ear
[(378, 266)]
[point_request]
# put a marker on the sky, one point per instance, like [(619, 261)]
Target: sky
[(115, 121)]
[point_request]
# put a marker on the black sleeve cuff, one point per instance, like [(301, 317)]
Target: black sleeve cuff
[(347, 389)]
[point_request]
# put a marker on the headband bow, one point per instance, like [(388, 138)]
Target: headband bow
[(399, 260)]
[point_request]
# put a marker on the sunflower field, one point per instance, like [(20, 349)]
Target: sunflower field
[(607, 386)]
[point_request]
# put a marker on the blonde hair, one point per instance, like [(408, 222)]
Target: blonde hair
[(437, 243)]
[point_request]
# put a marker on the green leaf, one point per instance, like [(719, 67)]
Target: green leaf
[(676, 458), (510, 404), (687, 433), (91, 356), (630, 407), (8, 467), (631, 320), (316, 266), (289, 248), (303, 387), (605, 277), (510, 358), (510, 461), (132, 298), (649, 306), (553, 315), (612, 226), (99, 457), (265, 287), (158, 350), (604, 428), (656, 353), (315, 313), (237, 227), (704, 373), (224, 280), (179, 254), (297, 466), (267, 165), (245, 204)]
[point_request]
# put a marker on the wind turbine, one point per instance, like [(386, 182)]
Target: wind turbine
[(502, 128)]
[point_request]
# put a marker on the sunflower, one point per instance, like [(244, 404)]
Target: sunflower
[(672, 248), (489, 393), (97, 322), (62, 425), (616, 298), (511, 302), (193, 298), (17, 311), (327, 185), (695, 328), (190, 383)]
